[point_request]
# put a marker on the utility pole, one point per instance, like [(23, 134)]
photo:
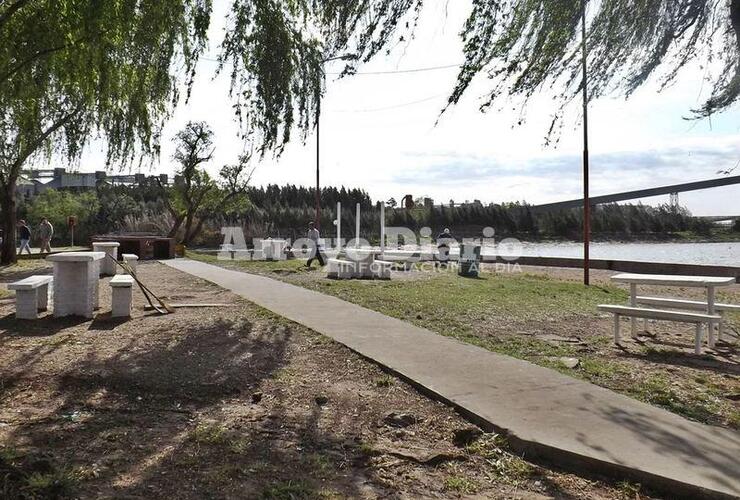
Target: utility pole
[(586, 201), (318, 187), (317, 222)]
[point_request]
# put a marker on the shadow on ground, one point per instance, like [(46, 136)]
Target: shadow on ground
[(167, 412)]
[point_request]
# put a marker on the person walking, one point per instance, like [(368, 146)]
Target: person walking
[(24, 236), (444, 241), (313, 235), (46, 231)]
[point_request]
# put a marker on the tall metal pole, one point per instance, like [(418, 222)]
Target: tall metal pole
[(586, 201), (318, 192)]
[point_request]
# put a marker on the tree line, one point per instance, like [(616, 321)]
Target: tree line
[(284, 211)]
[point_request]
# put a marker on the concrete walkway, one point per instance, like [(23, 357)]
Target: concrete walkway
[(568, 422)]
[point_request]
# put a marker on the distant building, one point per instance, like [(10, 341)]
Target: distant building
[(33, 182)]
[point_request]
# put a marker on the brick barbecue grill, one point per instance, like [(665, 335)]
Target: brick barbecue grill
[(145, 246)]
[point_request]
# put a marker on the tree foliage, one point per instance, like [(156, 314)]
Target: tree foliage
[(524, 46), (196, 197), (73, 69), (56, 205)]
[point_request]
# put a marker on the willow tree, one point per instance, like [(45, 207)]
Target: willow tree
[(70, 69), (75, 69), (196, 197), (523, 46)]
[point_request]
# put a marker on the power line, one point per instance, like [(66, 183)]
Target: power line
[(400, 71), (389, 72), (385, 108)]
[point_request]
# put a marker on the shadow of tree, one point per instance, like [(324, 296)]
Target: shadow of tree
[(689, 360), (709, 453), (131, 415)]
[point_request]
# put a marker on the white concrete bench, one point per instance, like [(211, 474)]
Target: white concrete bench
[(691, 305), (31, 296), (660, 314), (131, 259), (122, 294), (340, 269)]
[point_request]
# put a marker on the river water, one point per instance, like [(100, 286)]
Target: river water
[(722, 254)]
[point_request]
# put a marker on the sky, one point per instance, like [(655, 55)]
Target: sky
[(384, 133)]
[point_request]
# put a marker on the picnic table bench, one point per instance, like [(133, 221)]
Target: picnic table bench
[(660, 314), (709, 309), (31, 296), (692, 305)]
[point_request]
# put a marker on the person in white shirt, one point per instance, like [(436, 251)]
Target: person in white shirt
[(313, 235)]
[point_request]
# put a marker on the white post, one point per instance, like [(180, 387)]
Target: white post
[(382, 231), (339, 226), (357, 227)]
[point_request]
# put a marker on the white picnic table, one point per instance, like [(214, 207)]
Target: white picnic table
[(76, 276), (710, 283)]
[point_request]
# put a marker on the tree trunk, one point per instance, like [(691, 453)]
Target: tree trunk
[(9, 215), (175, 226), (188, 227), (198, 228)]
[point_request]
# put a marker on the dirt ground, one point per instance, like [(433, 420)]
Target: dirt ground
[(232, 402)]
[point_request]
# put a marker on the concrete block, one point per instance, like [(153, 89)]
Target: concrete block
[(132, 260), (122, 296), (108, 267)]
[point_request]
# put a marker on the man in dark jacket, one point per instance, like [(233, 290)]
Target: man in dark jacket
[(24, 235), (444, 241)]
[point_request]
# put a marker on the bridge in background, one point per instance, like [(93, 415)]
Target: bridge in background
[(672, 190)]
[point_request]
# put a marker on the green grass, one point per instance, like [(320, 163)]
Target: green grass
[(384, 381), (504, 465), (459, 302), (24, 266), (209, 434), (20, 476), (290, 490), (461, 485), (292, 266)]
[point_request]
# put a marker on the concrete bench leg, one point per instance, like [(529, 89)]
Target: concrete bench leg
[(699, 334), (121, 298), (617, 337), (26, 304), (42, 298)]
